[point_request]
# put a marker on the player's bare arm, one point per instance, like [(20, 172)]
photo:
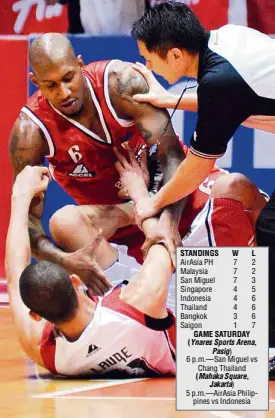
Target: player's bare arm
[(263, 123), (147, 295), (18, 256), (29, 147), (124, 83)]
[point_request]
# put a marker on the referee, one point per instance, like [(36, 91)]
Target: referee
[(235, 71)]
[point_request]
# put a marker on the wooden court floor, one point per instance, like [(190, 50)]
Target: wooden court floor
[(26, 391)]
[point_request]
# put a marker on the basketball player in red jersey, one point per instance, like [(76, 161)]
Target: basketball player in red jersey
[(127, 333), (229, 207), (76, 119)]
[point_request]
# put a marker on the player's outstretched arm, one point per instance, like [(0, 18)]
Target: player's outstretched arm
[(148, 290), (31, 181)]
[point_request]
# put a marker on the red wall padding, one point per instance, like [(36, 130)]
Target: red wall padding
[(13, 95)]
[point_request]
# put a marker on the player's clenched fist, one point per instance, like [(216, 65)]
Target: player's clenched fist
[(31, 181)]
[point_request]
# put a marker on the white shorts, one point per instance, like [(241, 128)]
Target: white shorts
[(124, 268)]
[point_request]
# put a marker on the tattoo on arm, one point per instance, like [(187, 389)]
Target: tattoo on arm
[(38, 238), (127, 86), (13, 143), (34, 234), (18, 161), (27, 145)]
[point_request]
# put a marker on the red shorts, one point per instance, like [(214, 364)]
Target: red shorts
[(222, 222)]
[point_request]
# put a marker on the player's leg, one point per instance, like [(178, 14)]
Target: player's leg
[(73, 227), (222, 222), (228, 217), (238, 187)]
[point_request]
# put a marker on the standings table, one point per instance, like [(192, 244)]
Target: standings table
[(222, 328)]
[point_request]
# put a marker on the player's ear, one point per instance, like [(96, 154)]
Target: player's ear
[(175, 56), (76, 281), (33, 79), (79, 60), (35, 316)]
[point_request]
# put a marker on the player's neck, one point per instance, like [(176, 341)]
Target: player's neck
[(193, 68), (74, 328), (89, 108)]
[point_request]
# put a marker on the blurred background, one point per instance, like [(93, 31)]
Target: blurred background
[(100, 29)]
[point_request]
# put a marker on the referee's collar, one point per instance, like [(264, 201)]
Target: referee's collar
[(203, 49)]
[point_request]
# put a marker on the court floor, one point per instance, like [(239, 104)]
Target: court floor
[(31, 392)]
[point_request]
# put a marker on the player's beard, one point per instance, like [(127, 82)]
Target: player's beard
[(78, 112)]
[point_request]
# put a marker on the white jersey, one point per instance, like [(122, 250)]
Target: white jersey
[(110, 17), (120, 341)]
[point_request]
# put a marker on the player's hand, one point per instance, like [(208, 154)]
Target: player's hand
[(157, 94), (82, 263), (32, 181), (145, 208), (134, 177), (166, 231)]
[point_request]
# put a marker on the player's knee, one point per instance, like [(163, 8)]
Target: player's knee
[(64, 220), (237, 187), (97, 215)]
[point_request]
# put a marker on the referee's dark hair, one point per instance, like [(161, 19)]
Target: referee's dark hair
[(47, 290), (169, 25)]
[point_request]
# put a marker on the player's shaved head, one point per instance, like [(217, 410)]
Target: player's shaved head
[(58, 73), (51, 49)]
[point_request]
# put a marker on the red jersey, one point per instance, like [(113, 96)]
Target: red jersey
[(81, 162), (197, 199)]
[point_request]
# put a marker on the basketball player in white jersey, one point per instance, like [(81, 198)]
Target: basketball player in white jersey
[(128, 332)]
